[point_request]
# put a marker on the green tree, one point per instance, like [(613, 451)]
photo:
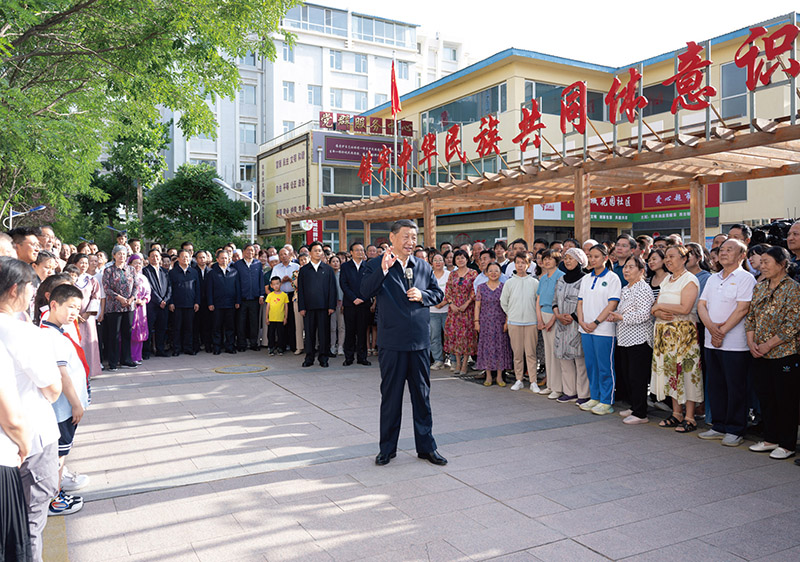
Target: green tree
[(75, 74), (191, 206)]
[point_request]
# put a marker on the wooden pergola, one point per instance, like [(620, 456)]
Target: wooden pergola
[(767, 149)]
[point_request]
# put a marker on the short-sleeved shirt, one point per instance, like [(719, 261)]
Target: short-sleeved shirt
[(9, 451), (67, 357), (722, 295), (670, 293), (280, 270), (547, 290), (277, 302), (595, 294), (442, 282)]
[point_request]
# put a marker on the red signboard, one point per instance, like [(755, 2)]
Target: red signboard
[(342, 122), (360, 124), (676, 199), (325, 120), (315, 234), (376, 125)]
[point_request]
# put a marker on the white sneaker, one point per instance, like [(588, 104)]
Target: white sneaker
[(633, 420), (341, 351), (517, 385), (544, 390), (535, 388), (626, 413), (762, 447), (731, 440), (602, 409), (553, 395), (587, 406), (72, 481), (436, 365), (781, 453), (711, 434)]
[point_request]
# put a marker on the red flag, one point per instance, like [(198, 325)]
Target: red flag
[(395, 96)]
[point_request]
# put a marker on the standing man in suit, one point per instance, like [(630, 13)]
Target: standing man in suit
[(403, 318), (356, 307), (157, 313), (184, 303), (251, 280), (202, 320), (316, 301), (224, 296)]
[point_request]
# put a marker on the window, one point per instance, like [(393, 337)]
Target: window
[(385, 32), (336, 97), (381, 99), (336, 60), (450, 54), (659, 97), (361, 64), (361, 101), (466, 110), (247, 172), (203, 162), (734, 91), (734, 191), (549, 98), (247, 133), (288, 53), (288, 126), (288, 91), (317, 18), (248, 60), (201, 136), (248, 94), (315, 95), (402, 70)]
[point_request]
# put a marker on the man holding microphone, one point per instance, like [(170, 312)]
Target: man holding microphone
[(405, 288)]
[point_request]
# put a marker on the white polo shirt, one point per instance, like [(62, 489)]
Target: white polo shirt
[(595, 293), (282, 271), (722, 296)]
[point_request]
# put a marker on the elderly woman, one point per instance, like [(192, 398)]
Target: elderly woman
[(139, 330), (87, 321), (460, 337), (568, 348), (120, 284), (494, 348), (634, 338), (545, 295), (676, 351), (772, 328), (438, 313)]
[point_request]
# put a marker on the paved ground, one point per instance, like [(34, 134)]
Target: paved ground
[(188, 464)]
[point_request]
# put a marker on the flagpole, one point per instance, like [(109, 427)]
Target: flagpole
[(394, 115)]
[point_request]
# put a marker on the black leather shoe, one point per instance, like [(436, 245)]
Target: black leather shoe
[(797, 462), (325, 364), (255, 348), (191, 353), (231, 351), (365, 363), (217, 352), (347, 362), (145, 357), (433, 457), (161, 354), (176, 353), (382, 459), (308, 363)]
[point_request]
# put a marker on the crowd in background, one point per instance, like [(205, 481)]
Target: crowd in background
[(644, 323)]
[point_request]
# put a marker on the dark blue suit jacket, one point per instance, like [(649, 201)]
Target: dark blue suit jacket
[(185, 287), (251, 279), (350, 282), (202, 283), (160, 288), (402, 325), (316, 290), (222, 289)]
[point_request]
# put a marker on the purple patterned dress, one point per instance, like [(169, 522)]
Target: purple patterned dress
[(494, 347)]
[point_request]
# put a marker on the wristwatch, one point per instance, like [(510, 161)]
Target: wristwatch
[(596, 322)]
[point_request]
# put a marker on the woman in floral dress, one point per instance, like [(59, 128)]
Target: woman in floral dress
[(460, 337), (494, 347)]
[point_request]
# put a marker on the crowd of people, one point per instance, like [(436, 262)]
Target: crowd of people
[(648, 323)]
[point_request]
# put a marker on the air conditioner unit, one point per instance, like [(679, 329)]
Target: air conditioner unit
[(239, 185)]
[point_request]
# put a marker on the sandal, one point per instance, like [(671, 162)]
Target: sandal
[(501, 383), (486, 382), (686, 427), (671, 421)]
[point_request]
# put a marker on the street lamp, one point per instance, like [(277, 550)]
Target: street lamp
[(253, 205), (12, 213)]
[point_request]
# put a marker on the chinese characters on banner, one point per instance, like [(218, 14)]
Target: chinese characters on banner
[(777, 43), (689, 80), (452, 144), (488, 137), (429, 151), (625, 100), (365, 170), (530, 123), (573, 107), (385, 161), (404, 157)]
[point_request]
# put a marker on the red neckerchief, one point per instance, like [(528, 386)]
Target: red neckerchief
[(78, 348)]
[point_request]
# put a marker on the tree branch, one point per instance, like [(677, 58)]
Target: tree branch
[(59, 98), (52, 21)]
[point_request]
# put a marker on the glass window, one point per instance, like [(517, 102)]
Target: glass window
[(248, 60), (361, 63), (450, 54), (336, 60), (361, 101), (336, 97), (380, 99), (248, 94), (734, 191), (247, 133), (315, 95), (467, 109), (288, 53), (288, 91), (314, 18), (402, 70), (734, 91), (247, 172), (203, 162), (659, 99), (288, 126)]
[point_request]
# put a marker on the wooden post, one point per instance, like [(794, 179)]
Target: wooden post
[(288, 231), (367, 234), (342, 232), (697, 207), (527, 225), (430, 222), (583, 219)]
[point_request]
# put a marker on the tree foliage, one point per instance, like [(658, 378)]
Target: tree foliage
[(75, 74), (191, 206)]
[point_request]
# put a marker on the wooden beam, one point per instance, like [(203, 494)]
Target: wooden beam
[(527, 231), (430, 222), (288, 231), (583, 224), (697, 208), (367, 233), (342, 231)]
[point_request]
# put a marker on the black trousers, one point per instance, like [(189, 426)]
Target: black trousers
[(356, 322), (157, 319), (317, 324), (275, 336), (726, 395), (118, 344), (247, 323), (183, 330), (778, 387), (202, 328), (223, 328), (397, 368), (633, 368), (290, 323), (15, 539)]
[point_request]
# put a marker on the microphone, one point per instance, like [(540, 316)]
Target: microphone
[(409, 278)]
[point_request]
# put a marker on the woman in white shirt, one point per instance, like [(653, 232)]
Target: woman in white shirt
[(438, 313), (598, 298)]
